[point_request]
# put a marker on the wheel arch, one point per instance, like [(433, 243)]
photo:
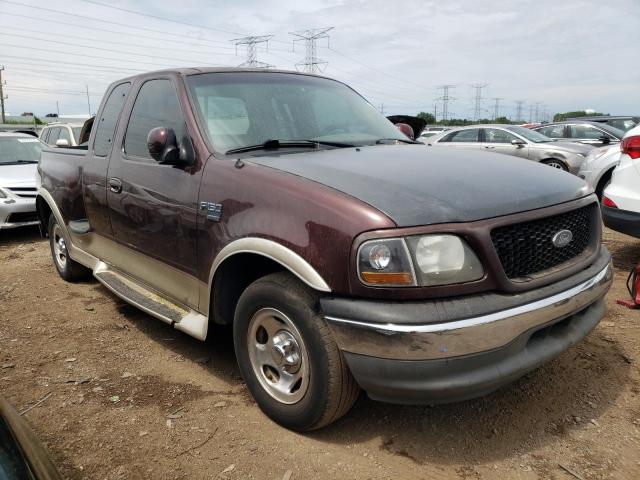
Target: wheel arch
[(242, 262)]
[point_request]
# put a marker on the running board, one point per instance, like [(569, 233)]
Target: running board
[(184, 319)]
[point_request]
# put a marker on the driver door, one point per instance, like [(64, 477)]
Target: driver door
[(499, 141)]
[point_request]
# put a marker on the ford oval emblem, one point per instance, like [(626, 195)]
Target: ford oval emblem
[(562, 238)]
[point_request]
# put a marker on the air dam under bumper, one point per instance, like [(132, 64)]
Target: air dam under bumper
[(467, 356)]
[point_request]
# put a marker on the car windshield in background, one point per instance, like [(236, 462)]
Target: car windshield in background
[(530, 135), (19, 150), (239, 110), (76, 133)]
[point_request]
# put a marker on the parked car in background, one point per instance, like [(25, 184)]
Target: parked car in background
[(598, 165), (517, 141), (342, 254), (621, 122), (621, 197), (591, 133), (19, 155), (61, 134)]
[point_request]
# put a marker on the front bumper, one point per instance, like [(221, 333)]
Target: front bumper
[(448, 350), (622, 221), (17, 212)]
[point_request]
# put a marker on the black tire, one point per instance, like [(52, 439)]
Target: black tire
[(330, 390), (68, 269), (555, 163)]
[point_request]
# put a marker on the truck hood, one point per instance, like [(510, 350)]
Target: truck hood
[(18, 175), (570, 147), (414, 185)]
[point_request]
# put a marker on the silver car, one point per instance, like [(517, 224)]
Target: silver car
[(598, 166), (517, 141), (19, 155)]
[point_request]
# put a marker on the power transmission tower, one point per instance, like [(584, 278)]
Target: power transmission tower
[(311, 63), (477, 109), (445, 100), (2, 96), (496, 107), (519, 104), (531, 113), (537, 106), (252, 50), (435, 110)]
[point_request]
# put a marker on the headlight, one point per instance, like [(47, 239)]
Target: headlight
[(386, 262), (425, 260)]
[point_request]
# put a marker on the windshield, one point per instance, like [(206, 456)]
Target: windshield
[(530, 135), (242, 109), (19, 149)]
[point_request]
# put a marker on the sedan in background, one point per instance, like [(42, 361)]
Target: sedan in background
[(19, 156), (598, 166), (517, 141), (591, 133)]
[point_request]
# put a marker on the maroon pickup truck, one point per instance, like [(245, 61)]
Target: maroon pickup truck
[(344, 255)]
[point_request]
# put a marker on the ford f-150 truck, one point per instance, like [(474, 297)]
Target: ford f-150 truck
[(344, 255)]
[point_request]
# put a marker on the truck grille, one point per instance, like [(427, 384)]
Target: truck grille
[(527, 249)]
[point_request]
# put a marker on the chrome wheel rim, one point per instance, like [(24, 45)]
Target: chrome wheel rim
[(556, 165), (278, 355), (59, 247)]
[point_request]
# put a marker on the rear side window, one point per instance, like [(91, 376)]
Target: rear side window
[(552, 131), (157, 106), (64, 135), (470, 135), (106, 127), (53, 135), (587, 131)]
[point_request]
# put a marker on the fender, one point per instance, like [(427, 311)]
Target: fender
[(274, 251)]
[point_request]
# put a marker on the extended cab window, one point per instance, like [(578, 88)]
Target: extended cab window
[(470, 135), (106, 126), (156, 106)]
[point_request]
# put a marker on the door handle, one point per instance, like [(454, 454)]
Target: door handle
[(489, 146), (115, 185)]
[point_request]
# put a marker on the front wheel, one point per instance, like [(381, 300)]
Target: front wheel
[(287, 356), (559, 164)]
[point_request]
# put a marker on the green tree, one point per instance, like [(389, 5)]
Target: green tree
[(427, 117), (502, 120)]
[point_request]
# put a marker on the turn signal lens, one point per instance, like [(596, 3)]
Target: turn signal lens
[(631, 146), (607, 202), (380, 278)]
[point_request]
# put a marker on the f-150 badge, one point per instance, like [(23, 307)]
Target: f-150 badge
[(214, 210)]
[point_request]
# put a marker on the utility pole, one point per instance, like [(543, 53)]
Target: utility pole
[(57, 109), (531, 113), (311, 63), (496, 107), (252, 43), (477, 109), (382, 108), (519, 104), (435, 110), (445, 100), (88, 102), (2, 97)]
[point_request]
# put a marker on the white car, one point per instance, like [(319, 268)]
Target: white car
[(598, 166), (19, 156), (61, 134), (621, 198)]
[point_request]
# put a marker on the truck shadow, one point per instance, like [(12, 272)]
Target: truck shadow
[(541, 407), (17, 236)]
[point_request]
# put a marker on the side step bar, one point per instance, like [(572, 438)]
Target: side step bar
[(181, 318)]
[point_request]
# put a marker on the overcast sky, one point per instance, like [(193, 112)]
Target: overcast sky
[(565, 55)]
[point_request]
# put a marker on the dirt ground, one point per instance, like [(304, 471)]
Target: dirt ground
[(133, 398)]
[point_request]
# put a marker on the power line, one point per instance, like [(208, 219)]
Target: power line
[(62, 62), (311, 63), (252, 43)]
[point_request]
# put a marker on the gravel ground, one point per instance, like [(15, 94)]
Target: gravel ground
[(133, 398)]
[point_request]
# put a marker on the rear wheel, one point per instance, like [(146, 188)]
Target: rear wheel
[(68, 269), (559, 164), (287, 355)]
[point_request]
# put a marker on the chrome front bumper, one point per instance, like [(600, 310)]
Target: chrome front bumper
[(483, 333)]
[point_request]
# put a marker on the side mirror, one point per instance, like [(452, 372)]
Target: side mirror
[(62, 142), (163, 148), (605, 140), (406, 129), (518, 142)]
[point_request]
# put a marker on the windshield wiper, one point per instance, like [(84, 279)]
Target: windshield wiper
[(381, 141), (276, 144)]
